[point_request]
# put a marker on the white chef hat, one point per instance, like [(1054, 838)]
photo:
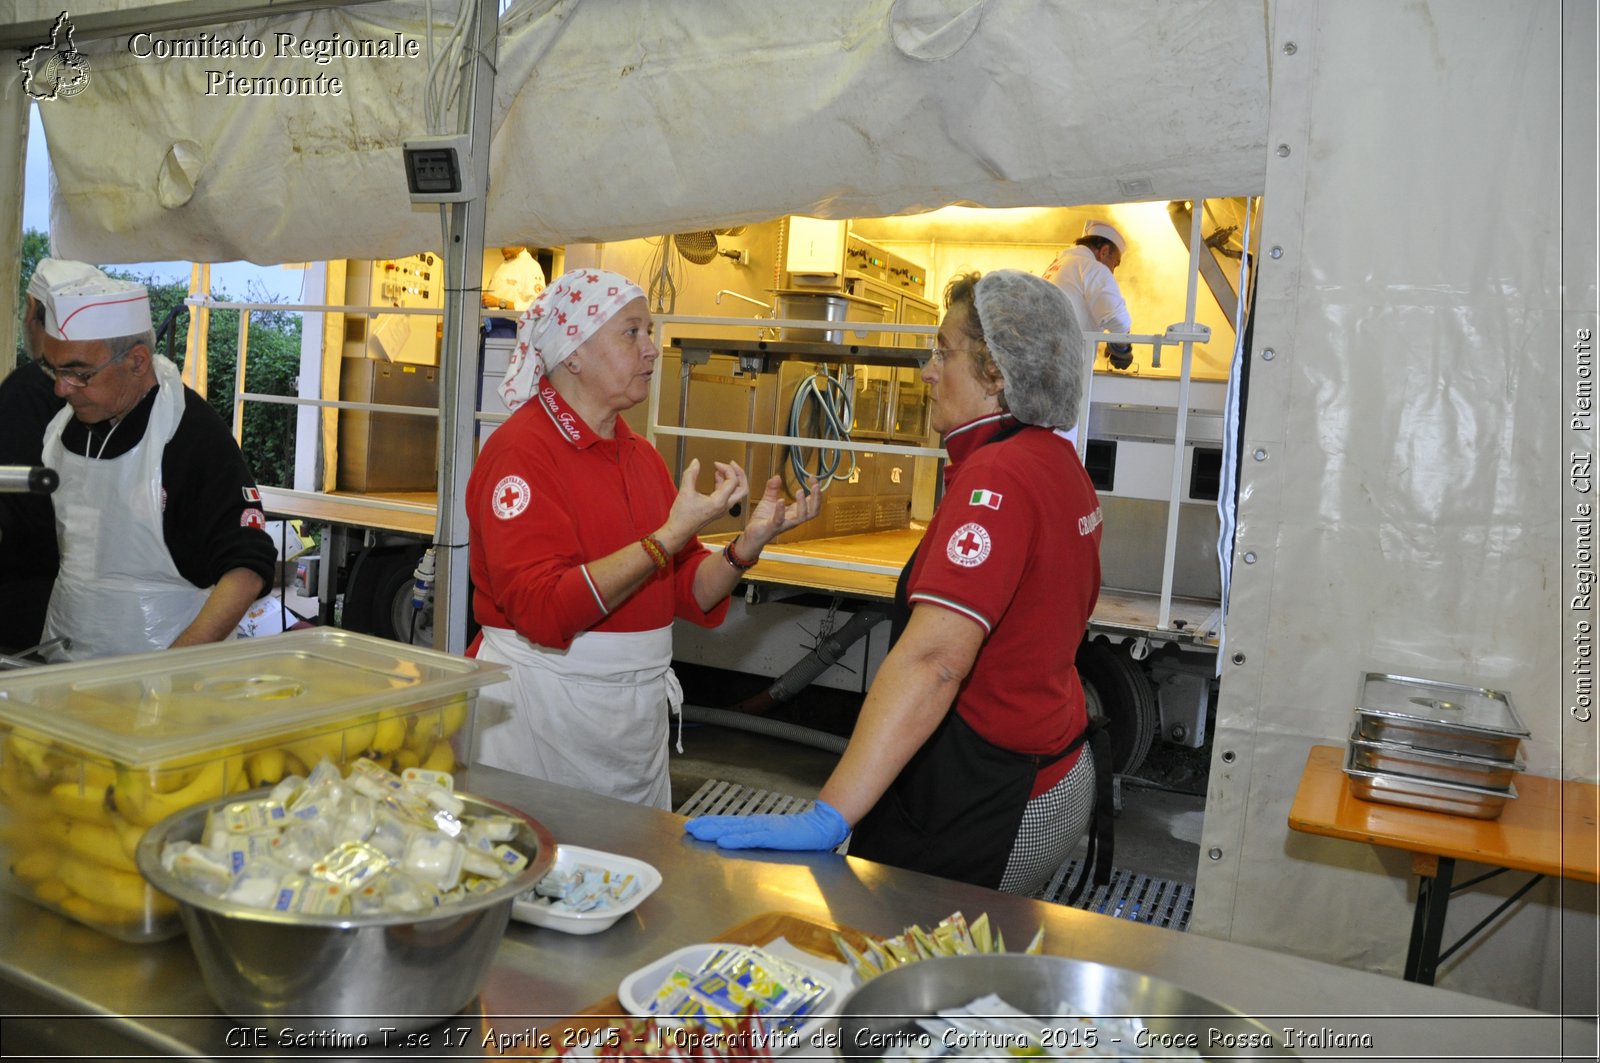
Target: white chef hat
[(82, 303), (564, 315), (1106, 231)]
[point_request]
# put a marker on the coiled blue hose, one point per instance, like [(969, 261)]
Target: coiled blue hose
[(835, 404)]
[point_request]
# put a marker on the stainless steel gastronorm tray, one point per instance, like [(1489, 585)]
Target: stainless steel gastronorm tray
[(1456, 799), (1434, 765), (1447, 717)]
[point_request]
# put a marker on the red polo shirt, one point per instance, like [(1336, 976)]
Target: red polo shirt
[(1015, 547), (548, 495)]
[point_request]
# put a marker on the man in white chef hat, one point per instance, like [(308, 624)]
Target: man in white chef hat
[(158, 518), (1084, 271)]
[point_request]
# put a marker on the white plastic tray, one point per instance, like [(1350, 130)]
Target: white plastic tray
[(557, 917), (638, 990)]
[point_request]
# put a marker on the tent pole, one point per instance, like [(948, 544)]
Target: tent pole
[(14, 107), (459, 348)]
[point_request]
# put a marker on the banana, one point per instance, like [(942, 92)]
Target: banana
[(425, 727), (452, 716), (110, 888), (310, 749), (390, 733), (19, 792), (419, 746), (33, 749), (128, 835), (358, 737), (404, 758), (81, 803), (86, 911), (424, 732), (142, 805), (37, 865), (173, 775), (442, 758), (266, 766), (94, 775), (52, 891), (100, 844)]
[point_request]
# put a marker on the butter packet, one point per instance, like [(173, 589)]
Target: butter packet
[(736, 980)]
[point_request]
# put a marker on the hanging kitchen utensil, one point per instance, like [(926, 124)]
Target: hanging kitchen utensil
[(697, 247)]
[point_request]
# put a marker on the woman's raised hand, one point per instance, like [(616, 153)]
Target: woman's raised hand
[(692, 510), (771, 517)]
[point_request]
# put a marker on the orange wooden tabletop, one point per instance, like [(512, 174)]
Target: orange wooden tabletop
[(1551, 827)]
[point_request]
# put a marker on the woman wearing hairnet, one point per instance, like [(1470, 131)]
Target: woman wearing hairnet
[(968, 760), (583, 550)]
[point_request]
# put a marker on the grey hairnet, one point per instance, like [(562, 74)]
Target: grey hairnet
[(1036, 343)]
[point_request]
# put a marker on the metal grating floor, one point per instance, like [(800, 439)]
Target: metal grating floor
[(1130, 895), (717, 798)]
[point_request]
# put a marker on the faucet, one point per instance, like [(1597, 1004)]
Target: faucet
[(761, 333), (746, 298)]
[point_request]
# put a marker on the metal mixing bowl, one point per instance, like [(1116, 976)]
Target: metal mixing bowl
[(879, 1014), (346, 974)]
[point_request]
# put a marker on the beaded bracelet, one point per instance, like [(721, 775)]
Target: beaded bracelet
[(657, 552), (733, 559)]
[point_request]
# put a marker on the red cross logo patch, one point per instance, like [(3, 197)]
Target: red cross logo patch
[(511, 497), (968, 546)]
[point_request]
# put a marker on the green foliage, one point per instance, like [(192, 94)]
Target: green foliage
[(35, 245), (273, 367)]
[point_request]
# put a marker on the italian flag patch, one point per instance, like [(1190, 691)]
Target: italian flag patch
[(991, 499)]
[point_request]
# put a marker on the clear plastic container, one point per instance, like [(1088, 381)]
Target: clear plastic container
[(92, 754)]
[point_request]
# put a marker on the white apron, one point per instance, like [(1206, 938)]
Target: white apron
[(593, 716), (117, 591)]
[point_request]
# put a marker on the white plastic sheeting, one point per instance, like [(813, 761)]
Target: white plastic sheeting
[(634, 117), (1405, 457), (1405, 510)]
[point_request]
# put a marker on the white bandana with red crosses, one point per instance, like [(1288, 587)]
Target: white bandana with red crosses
[(564, 315)]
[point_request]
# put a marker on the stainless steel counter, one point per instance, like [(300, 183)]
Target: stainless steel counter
[(66, 986)]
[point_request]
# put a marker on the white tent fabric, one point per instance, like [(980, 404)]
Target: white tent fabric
[(1406, 509), (633, 117)]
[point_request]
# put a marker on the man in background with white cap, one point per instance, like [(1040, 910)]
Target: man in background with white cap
[(158, 518), (1084, 271)]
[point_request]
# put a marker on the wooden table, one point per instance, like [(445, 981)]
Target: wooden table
[(1549, 829), (820, 564)]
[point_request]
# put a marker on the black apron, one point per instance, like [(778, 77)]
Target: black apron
[(955, 808)]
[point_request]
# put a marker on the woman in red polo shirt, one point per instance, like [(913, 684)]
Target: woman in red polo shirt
[(583, 550), (968, 759)]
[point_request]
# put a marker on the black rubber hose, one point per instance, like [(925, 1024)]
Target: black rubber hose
[(740, 721), (825, 655)]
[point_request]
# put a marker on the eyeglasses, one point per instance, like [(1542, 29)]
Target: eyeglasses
[(941, 354), (78, 378)]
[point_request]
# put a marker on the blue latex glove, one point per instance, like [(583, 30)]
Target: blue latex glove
[(818, 828)]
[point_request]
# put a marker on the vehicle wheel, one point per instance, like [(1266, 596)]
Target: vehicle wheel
[(1115, 687), (378, 599)]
